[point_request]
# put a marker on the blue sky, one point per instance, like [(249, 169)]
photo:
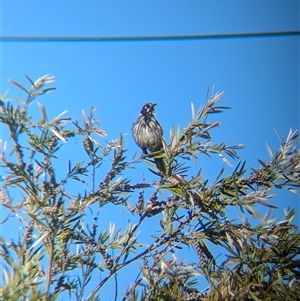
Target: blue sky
[(260, 76)]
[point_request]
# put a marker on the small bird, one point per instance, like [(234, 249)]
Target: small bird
[(148, 133)]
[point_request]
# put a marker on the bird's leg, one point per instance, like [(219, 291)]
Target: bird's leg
[(144, 150)]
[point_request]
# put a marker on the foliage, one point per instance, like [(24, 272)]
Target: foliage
[(58, 250)]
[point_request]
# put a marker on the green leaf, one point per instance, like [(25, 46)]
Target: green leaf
[(270, 151), (294, 190), (39, 240), (18, 85), (32, 83), (193, 111)]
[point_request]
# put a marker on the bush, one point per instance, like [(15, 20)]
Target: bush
[(60, 251)]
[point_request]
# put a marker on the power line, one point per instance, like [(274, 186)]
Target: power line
[(145, 38)]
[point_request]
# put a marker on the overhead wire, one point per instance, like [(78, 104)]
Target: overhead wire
[(146, 38)]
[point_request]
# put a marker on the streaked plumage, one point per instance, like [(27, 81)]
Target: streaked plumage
[(147, 132)]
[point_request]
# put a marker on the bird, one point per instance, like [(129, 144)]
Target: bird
[(148, 133)]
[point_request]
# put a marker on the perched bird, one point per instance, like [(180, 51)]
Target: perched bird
[(148, 134)]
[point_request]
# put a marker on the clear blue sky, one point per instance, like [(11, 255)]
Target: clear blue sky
[(260, 76)]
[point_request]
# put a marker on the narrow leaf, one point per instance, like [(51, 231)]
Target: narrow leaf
[(18, 85), (39, 240), (225, 160), (43, 111), (193, 111), (30, 80), (58, 135), (269, 151)]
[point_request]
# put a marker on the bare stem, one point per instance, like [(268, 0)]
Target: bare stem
[(49, 273)]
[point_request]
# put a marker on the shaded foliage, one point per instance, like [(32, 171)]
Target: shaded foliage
[(59, 250)]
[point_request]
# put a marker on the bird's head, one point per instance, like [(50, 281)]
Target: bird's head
[(148, 109)]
